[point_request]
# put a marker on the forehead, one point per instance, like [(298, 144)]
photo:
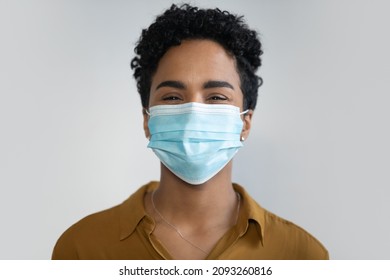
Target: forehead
[(203, 58)]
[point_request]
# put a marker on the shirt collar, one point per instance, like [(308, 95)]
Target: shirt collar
[(250, 211), (132, 210)]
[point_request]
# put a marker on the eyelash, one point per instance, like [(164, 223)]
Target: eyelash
[(218, 97), (174, 98), (212, 98)]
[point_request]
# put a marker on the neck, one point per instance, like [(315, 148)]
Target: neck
[(212, 203)]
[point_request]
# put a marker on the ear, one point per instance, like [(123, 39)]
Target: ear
[(146, 127), (247, 119)]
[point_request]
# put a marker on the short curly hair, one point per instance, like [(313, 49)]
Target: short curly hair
[(187, 22)]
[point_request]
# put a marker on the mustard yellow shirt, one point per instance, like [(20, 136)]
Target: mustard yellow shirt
[(125, 232)]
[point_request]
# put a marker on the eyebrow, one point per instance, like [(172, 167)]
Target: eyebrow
[(217, 84), (206, 85), (173, 84)]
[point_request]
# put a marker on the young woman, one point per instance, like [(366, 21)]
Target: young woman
[(195, 71)]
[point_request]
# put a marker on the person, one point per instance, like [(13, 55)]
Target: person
[(196, 74)]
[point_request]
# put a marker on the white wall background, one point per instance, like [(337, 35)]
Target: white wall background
[(71, 130)]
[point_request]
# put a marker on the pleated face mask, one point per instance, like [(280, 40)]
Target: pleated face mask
[(195, 140)]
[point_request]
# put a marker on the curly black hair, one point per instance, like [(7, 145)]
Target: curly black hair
[(186, 22)]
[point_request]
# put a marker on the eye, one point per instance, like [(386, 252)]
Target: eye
[(171, 98), (217, 98)]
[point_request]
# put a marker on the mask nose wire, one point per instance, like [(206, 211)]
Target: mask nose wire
[(242, 113)]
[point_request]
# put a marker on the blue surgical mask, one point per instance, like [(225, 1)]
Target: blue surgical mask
[(195, 140)]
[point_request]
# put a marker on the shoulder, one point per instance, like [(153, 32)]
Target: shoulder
[(86, 232), (91, 235), (297, 241), (93, 222), (280, 238)]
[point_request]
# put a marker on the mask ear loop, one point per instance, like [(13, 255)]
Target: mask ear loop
[(147, 112), (242, 138), (244, 113)]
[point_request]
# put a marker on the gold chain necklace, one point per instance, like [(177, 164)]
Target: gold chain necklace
[(179, 232)]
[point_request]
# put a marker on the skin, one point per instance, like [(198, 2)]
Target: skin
[(195, 71)]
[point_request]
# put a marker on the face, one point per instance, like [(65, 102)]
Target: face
[(197, 71)]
